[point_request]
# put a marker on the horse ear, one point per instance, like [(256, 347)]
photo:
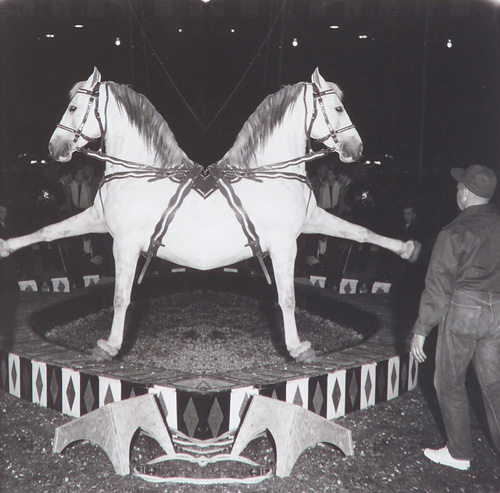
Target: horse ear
[(317, 79), (95, 77)]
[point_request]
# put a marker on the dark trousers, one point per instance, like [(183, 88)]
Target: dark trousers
[(469, 332)]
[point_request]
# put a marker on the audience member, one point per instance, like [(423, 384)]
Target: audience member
[(408, 278), (411, 228), (329, 191), (91, 179), (318, 179), (60, 194), (81, 193), (347, 194)]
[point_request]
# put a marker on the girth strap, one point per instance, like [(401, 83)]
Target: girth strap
[(241, 215), (175, 203), (167, 217)]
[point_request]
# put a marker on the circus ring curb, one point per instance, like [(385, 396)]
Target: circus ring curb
[(203, 406)]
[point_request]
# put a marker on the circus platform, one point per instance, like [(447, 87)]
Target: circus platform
[(207, 405)]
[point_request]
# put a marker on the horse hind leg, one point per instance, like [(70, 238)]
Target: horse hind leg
[(126, 257), (283, 266)]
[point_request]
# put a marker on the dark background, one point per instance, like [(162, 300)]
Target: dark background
[(419, 106)]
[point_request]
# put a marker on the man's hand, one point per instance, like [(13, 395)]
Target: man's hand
[(417, 348)]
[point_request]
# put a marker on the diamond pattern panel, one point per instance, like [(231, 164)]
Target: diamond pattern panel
[(240, 398), (39, 390), (381, 387), (318, 387), (274, 391), (336, 394), (199, 415), (110, 390), (26, 377), (215, 418), (54, 388), (297, 392), (167, 397), (89, 393), (353, 387), (39, 385), (4, 371), (393, 384), (71, 390), (191, 418), (130, 390), (108, 396), (368, 377), (14, 376)]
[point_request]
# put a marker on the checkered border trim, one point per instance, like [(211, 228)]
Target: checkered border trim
[(207, 414)]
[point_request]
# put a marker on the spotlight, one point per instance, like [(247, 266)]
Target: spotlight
[(295, 42), (118, 42), (50, 36), (78, 26), (449, 44), (334, 27)]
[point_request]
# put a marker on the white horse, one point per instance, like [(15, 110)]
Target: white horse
[(261, 202)]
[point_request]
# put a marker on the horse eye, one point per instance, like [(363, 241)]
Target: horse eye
[(72, 109), (339, 109)]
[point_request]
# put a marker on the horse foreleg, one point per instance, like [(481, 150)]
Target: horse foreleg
[(88, 221), (320, 222), (125, 265), (283, 258)]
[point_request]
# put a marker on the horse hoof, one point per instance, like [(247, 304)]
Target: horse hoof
[(99, 354), (416, 252), (3, 250), (307, 356)]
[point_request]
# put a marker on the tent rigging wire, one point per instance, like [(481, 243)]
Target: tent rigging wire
[(176, 88)]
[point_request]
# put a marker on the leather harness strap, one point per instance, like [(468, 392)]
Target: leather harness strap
[(205, 182), (167, 217)]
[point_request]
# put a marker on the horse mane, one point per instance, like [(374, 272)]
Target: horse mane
[(150, 124), (259, 127)]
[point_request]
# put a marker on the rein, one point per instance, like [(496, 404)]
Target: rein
[(138, 170)]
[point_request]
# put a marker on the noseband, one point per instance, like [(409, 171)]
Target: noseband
[(318, 98), (93, 97)]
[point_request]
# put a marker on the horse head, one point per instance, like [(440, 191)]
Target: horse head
[(330, 123), (81, 121)]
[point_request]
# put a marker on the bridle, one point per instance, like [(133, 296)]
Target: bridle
[(93, 98), (318, 98)]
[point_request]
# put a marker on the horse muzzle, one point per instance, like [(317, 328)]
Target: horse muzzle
[(60, 151), (350, 152)]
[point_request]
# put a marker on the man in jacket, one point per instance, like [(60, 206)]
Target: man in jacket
[(462, 294)]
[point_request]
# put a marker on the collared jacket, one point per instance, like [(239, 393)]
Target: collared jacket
[(465, 257)]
